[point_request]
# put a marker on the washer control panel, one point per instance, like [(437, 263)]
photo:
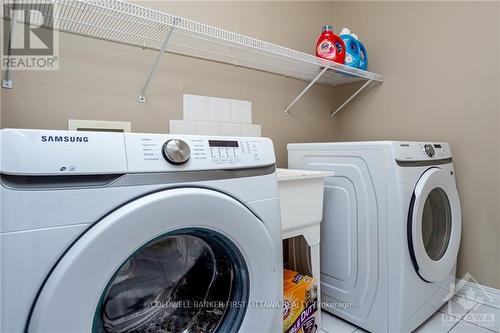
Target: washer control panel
[(421, 151), (233, 151), (156, 152), (68, 152)]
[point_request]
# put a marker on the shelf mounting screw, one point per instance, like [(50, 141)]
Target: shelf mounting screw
[(7, 84)]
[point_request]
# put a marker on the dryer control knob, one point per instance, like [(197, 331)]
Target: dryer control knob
[(176, 151), (429, 150)]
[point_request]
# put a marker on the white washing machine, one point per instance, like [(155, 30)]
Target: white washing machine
[(113, 232), (390, 232)]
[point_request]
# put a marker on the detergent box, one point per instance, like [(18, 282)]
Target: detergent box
[(300, 308)]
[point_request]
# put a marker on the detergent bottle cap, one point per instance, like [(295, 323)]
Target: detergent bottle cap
[(345, 31), (355, 36), (327, 27)]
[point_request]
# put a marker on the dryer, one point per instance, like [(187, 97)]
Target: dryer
[(391, 230), (113, 232)]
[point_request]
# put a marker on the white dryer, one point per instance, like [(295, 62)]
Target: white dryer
[(113, 232), (390, 232)]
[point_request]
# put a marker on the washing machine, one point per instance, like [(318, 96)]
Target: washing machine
[(390, 232), (114, 232)]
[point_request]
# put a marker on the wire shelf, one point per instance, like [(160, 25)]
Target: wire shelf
[(132, 24)]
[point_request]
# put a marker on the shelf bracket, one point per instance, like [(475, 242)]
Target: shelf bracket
[(351, 98), (142, 93), (306, 89), (7, 81)]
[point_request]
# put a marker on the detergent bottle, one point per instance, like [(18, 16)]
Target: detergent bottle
[(330, 46), (352, 52), (363, 55)]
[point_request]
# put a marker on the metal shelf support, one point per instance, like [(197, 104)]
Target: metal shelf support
[(367, 83), (316, 78), (142, 93), (7, 81)]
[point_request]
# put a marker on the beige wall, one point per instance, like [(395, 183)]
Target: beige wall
[(441, 65), (101, 80)]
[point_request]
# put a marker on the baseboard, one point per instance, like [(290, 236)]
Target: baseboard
[(470, 289)]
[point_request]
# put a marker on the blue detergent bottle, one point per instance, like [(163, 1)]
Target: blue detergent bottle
[(352, 55), (363, 55)]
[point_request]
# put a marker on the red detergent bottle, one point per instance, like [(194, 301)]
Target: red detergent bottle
[(330, 46)]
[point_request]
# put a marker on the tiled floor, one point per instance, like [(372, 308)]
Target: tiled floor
[(458, 316)]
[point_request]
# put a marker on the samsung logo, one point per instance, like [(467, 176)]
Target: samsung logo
[(405, 145), (64, 138)]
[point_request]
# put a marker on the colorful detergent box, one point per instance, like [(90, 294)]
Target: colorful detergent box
[(300, 308)]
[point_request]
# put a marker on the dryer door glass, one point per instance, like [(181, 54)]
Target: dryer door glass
[(436, 224), (180, 282)]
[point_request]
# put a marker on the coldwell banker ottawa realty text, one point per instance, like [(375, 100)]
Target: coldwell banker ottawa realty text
[(29, 41)]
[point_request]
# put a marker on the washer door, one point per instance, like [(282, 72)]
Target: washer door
[(434, 225), (180, 260)]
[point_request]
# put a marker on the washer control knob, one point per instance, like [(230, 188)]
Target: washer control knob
[(176, 151), (429, 150)]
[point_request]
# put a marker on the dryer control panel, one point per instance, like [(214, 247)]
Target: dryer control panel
[(420, 151)]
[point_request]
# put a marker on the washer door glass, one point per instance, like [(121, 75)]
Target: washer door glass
[(180, 282), (436, 224)]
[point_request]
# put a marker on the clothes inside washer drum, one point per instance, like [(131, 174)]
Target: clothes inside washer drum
[(165, 286)]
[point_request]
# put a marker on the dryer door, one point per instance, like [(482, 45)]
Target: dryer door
[(180, 260), (434, 225)]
